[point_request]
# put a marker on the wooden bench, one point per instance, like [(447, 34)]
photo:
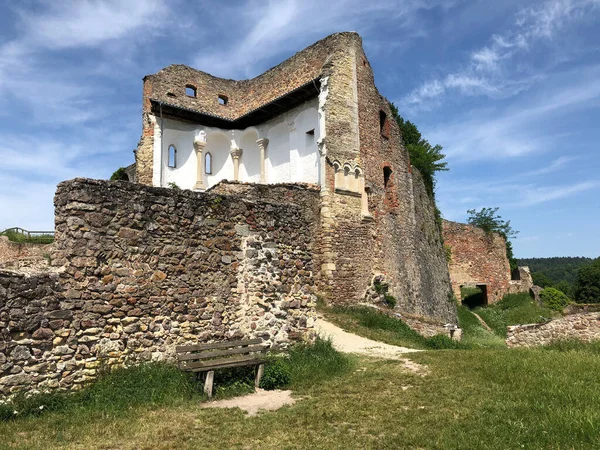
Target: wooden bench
[(222, 355)]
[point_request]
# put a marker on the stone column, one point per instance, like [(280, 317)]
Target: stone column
[(199, 144), (262, 145), (235, 154)]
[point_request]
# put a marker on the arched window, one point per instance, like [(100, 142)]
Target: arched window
[(172, 156), (208, 164)]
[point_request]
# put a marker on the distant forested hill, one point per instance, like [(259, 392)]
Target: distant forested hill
[(557, 268)]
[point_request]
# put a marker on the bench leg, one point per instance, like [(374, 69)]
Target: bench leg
[(208, 383), (259, 373)]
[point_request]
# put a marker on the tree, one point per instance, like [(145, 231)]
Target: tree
[(587, 286), (424, 156), (119, 175), (490, 221), (541, 280)]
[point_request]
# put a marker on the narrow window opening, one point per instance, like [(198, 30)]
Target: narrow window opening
[(208, 164), (170, 94), (172, 156), (387, 173), (190, 91), (310, 138), (382, 120), (223, 100)]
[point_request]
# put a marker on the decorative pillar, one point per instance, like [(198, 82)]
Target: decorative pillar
[(262, 145), (235, 154), (199, 144)]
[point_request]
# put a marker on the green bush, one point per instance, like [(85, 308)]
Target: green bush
[(119, 175), (554, 299), (389, 300), (277, 374)]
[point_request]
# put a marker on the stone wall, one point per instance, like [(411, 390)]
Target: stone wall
[(399, 237), (477, 258), (11, 251), (583, 326), (396, 234), (143, 269)]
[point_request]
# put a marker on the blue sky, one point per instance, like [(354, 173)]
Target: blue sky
[(510, 89)]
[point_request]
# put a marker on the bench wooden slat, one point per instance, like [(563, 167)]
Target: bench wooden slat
[(215, 345), (250, 362), (213, 354), (215, 363)]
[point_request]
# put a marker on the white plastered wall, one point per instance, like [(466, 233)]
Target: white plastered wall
[(291, 155)]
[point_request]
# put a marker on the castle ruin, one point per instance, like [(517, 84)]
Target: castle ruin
[(294, 184)]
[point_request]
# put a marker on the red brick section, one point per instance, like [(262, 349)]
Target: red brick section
[(477, 258)]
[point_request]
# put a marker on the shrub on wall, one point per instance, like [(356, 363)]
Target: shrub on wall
[(554, 299)]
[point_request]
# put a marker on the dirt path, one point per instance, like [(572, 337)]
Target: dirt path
[(485, 325), (351, 343)]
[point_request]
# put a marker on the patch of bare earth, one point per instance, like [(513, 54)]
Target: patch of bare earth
[(351, 343), (261, 400)]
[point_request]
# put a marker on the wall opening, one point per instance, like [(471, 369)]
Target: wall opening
[(310, 138), (208, 164), (473, 296), (172, 162), (223, 100), (387, 173), (515, 274), (382, 120), (190, 91)]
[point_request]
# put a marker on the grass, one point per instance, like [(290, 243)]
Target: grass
[(159, 384), (14, 236), (372, 324), (474, 334), (513, 309), (112, 394), (475, 399)]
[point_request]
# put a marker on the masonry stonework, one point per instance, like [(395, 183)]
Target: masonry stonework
[(582, 326), (375, 215), (140, 270)]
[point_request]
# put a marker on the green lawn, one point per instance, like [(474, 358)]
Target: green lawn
[(514, 309), (471, 399), (476, 395)]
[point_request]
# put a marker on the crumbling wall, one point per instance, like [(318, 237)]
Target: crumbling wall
[(11, 251), (524, 283), (583, 326), (145, 269), (399, 237), (477, 258)]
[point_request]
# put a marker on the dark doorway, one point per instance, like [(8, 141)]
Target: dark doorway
[(474, 295)]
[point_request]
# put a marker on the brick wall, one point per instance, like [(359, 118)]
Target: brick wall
[(477, 258), (144, 269)]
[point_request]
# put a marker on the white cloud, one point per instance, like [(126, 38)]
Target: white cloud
[(267, 29), (88, 23), (520, 128), (491, 69)]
